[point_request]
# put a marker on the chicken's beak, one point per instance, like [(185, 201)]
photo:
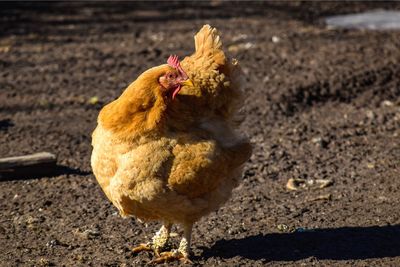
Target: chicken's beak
[(187, 82)]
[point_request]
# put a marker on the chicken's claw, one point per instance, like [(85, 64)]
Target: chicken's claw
[(170, 256), (142, 247)]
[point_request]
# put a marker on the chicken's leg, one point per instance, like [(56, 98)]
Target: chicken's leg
[(159, 241), (182, 253)]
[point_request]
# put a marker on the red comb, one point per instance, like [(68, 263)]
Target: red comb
[(174, 62)]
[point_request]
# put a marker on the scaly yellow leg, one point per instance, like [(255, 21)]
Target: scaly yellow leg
[(159, 241)]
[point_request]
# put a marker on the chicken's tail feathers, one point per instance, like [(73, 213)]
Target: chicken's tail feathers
[(209, 46), (219, 77)]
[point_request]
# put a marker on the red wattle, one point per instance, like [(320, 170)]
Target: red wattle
[(176, 91)]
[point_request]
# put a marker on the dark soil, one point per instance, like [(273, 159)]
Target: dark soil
[(321, 104)]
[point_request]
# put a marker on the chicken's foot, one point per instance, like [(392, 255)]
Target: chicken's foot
[(159, 241), (142, 247), (170, 256), (182, 253)]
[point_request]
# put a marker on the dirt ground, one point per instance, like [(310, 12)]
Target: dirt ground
[(321, 104)]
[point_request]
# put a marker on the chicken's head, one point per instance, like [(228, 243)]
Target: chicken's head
[(173, 80)]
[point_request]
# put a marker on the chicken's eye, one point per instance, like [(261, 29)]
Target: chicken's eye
[(170, 76)]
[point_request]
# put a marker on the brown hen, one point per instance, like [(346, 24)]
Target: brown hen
[(167, 149)]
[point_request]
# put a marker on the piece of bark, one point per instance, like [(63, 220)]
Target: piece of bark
[(29, 166), (42, 158)]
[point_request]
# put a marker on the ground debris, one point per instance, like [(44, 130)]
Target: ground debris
[(43, 262), (4, 49), (294, 184), (91, 232), (324, 183), (370, 166), (275, 39), (240, 47), (321, 197), (93, 100), (282, 227)]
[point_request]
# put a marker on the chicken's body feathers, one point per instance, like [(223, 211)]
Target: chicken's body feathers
[(187, 175)]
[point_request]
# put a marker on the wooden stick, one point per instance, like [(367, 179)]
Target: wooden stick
[(28, 160)]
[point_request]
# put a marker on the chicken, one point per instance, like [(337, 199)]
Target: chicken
[(167, 150)]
